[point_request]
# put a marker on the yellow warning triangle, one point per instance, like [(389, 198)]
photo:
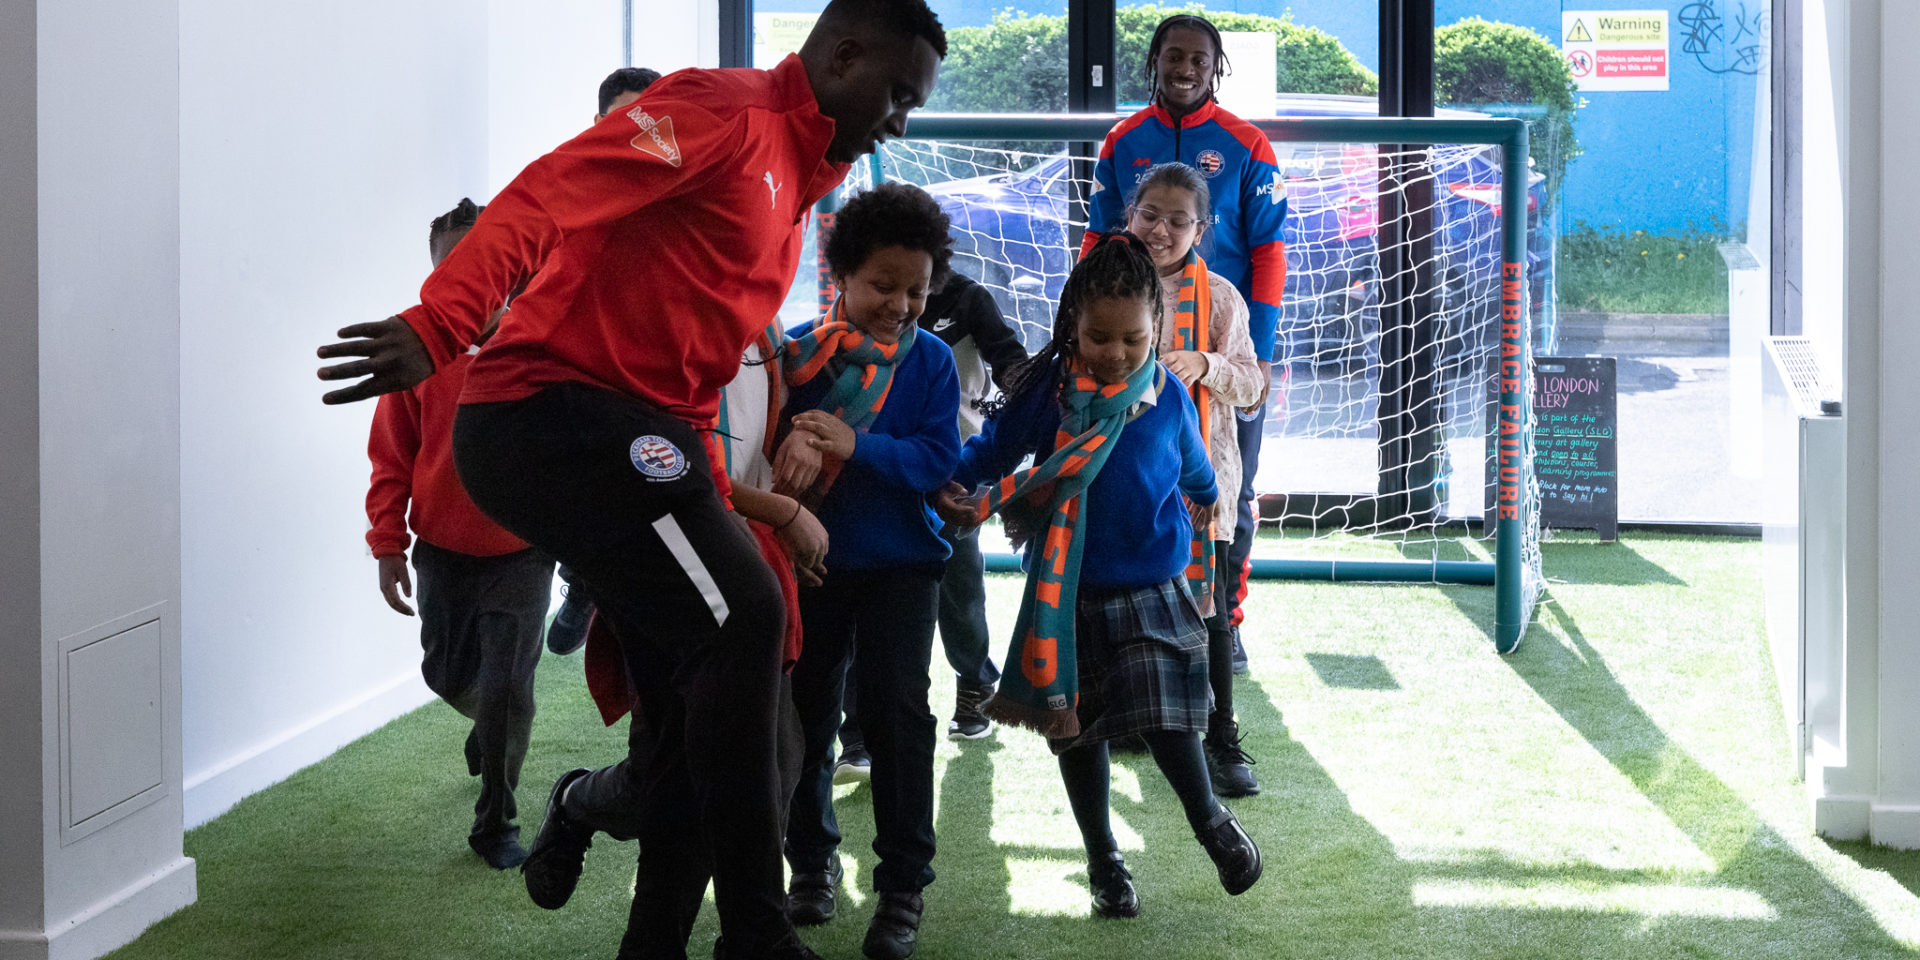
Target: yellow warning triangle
[(1579, 33)]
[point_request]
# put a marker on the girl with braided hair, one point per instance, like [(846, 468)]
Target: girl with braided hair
[(1245, 218), (1109, 641)]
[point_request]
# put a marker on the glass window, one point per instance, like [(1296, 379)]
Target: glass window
[(1657, 165)]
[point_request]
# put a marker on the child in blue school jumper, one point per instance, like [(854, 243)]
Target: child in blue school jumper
[(873, 407), (1109, 642)]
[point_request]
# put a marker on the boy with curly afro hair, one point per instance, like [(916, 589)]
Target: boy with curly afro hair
[(873, 431)]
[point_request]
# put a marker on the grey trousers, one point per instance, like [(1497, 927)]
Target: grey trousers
[(480, 636)]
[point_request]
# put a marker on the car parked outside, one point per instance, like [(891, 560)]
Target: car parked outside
[(1011, 233)]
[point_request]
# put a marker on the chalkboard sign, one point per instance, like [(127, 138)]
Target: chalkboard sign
[(1575, 444)]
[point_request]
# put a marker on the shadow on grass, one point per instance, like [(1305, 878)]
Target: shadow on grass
[(1352, 672), (1610, 564), (1574, 680)]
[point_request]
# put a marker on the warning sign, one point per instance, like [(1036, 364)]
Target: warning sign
[(1615, 49)]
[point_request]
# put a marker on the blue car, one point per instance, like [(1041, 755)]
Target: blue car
[(1011, 234)]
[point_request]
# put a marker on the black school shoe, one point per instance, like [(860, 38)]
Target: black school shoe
[(501, 851), (568, 631), (552, 867), (1234, 853), (789, 948), (813, 897), (1228, 766), (895, 928), (1113, 893)]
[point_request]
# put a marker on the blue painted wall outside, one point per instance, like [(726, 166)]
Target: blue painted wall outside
[(1657, 161)]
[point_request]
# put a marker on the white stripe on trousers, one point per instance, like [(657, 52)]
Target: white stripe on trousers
[(682, 550)]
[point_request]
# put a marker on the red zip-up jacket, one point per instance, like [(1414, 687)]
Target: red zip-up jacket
[(659, 243), (411, 446)]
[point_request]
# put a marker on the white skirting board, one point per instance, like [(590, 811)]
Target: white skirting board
[(212, 792), (111, 923)]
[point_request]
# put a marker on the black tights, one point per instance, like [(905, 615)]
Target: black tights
[(1088, 778)]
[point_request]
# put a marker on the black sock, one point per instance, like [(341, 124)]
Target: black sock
[(1088, 777), (1180, 761)]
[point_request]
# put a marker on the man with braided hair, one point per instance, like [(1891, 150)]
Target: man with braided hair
[(659, 243)]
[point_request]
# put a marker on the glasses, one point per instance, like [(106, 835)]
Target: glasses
[(1150, 218)]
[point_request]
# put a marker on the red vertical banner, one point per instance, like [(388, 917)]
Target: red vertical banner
[(822, 225)]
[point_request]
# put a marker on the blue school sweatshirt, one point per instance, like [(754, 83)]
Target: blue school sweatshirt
[(1138, 532), (877, 514)]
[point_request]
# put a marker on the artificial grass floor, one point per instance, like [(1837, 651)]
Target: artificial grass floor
[(1620, 787)]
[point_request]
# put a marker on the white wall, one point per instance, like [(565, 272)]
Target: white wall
[(22, 830), (1896, 819), (92, 313), (316, 144), (545, 63), (317, 141)]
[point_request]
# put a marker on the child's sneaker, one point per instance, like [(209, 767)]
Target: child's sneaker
[(1228, 766), (969, 723), (568, 631), (854, 765)]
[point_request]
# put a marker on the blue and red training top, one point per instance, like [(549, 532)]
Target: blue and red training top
[(1249, 198)]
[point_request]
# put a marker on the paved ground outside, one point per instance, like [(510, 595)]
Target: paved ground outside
[(1675, 417)]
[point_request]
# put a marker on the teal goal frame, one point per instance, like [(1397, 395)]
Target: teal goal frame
[(1513, 602)]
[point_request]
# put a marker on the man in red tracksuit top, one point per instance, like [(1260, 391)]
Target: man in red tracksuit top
[(483, 591), (658, 244)]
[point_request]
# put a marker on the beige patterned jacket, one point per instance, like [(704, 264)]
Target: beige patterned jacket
[(1233, 376)]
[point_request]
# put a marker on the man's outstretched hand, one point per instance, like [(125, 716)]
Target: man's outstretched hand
[(395, 360)]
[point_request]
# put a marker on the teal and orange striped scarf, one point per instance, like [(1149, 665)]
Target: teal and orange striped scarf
[(1191, 331), (861, 368), (1044, 692)]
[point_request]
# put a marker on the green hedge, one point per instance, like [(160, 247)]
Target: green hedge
[(1019, 63), (1482, 61)]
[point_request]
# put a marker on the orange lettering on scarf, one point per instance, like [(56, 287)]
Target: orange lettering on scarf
[(1038, 664)]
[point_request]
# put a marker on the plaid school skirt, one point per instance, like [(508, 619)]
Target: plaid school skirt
[(1142, 656)]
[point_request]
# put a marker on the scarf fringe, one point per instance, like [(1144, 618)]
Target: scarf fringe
[(1052, 724)]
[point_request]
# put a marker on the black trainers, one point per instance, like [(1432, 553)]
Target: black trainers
[(854, 765), (1228, 766), (568, 631), (1234, 853), (895, 928), (968, 722), (1239, 653), (552, 867), (1113, 893), (812, 897)]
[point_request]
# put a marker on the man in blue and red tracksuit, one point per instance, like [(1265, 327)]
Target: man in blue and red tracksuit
[(659, 243), (1186, 125)]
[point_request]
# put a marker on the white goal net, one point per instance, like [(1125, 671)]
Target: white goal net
[(1377, 437)]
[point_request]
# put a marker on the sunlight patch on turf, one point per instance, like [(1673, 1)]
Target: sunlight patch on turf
[(1644, 899), (850, 887), (1047, 887), (1465, 762)]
